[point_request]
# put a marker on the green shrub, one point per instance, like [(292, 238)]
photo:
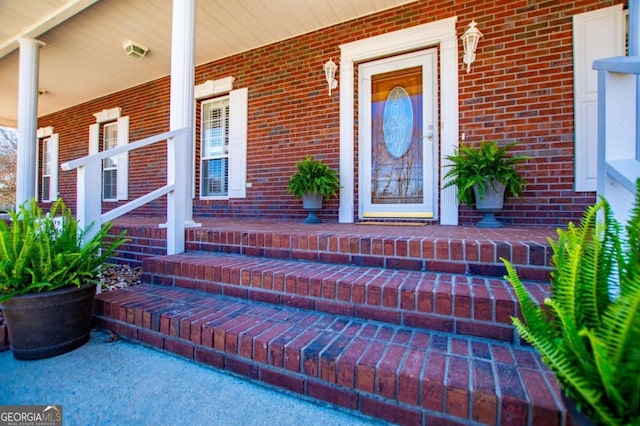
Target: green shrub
[(488, 162), (313, 177), (588, 331), (39, 252)]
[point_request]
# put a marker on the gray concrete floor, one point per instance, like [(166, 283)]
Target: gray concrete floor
[(124, 383)]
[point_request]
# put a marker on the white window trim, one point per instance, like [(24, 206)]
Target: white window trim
[(52, 141), (104, 116), (42, 134), (108, 115), (46, 149), (238, 123), (116, 165), (212, 88), (219, 156), (442, 33)]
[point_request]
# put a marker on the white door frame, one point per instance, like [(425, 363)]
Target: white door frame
[(439, 33), (427, 60)]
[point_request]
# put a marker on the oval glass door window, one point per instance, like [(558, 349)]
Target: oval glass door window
[(398, 121)]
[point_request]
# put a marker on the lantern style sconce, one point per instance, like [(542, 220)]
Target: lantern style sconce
[(330, 68), (470, 43)]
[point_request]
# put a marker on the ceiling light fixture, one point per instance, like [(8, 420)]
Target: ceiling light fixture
[(134, 49)]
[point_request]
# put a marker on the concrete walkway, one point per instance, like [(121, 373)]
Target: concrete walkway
[(123, 383)]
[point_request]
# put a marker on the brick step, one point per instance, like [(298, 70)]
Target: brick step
[(451, 249), (462, 304), (458, 250), (397, 373)]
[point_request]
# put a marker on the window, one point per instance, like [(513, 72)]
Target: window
[(110, 165), (110, 131), (46, 169), (214, 140), (47, 165), (223, 139)]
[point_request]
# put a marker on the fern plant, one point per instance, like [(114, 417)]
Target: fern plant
[(588, 331), (471, 166), (39, 252), (313, 177)]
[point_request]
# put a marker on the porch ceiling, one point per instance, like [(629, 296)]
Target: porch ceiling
[(84, 59)]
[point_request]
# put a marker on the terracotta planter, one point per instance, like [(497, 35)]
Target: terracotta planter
[(42, 325)]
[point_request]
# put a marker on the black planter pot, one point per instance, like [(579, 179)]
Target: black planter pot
[(42, 325), (575, 417)]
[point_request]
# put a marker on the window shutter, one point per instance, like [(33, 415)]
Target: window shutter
[(94, 138), (238, 108), (596, 35), (123, 159), (53, 177)]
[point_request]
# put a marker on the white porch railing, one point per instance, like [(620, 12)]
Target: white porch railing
[(618, 143), (89, 188)]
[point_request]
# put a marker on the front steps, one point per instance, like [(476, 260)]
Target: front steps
[(448, 249), (411, 325), (463, 304), (396, 373)]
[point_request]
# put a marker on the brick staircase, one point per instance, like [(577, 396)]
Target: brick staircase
[(407, 324)]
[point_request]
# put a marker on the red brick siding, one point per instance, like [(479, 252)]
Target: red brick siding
[(520, 89)]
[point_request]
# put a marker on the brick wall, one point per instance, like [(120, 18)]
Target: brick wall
[(520, 89), (142, 242)]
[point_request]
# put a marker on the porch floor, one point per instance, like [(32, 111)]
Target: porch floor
[(508, 233), (435, 248)]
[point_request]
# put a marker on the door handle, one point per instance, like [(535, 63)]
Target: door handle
[(429, 134)]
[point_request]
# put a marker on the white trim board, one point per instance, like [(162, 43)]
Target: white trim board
[(440, 33)]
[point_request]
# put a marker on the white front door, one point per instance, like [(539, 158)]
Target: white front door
[(398, 136)]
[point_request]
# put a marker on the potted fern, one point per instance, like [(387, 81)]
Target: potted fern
[(588, 331), (313, 182), (48, 279), (484, 175)]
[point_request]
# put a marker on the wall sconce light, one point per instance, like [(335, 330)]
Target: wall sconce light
[(330, 68), (470, 43)]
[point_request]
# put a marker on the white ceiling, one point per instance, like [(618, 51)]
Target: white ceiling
[(84, 59)]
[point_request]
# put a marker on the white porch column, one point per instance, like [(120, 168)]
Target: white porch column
[(179, 155), (27, 119)]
